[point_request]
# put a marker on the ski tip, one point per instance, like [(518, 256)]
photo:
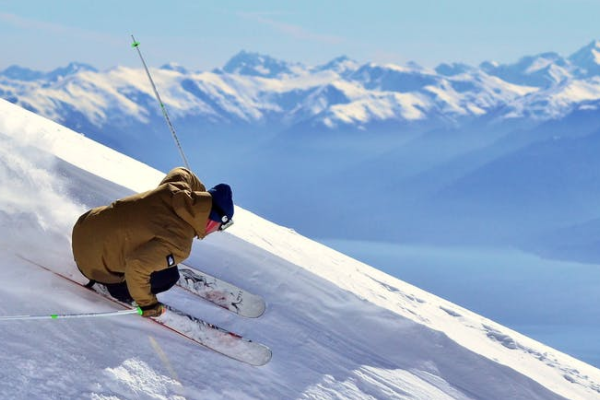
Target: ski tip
[(257, 311), (266, 359), (261, 357)]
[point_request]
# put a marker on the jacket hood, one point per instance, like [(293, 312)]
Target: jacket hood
[(180, 174), (191, 202), (193, 208)]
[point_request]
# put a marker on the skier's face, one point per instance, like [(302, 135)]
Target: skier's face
[(212, 226)]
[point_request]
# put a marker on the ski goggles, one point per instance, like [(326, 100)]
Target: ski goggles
[(226, 223)]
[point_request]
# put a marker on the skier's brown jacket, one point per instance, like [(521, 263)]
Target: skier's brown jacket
[(137, 235)]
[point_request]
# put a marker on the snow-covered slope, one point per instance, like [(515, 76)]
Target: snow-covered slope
[(339, 329)]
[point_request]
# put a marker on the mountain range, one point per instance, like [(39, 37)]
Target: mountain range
[(257, 89), (412, 153)]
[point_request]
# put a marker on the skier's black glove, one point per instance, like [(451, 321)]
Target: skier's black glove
[(153, 310)]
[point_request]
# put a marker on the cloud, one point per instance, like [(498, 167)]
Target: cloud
[(295, 31), (53, 28), (26, 23)]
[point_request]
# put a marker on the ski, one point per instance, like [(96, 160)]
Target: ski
[(200, 332), (220, 292), (215, 338)]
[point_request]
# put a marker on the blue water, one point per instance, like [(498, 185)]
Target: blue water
[(554, 302)]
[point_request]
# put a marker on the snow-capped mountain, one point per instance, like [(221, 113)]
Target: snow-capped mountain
[(341, 65), (18, 73), (255, 64), (260, 91), (338, 328), (175, 67), (543, 70), (588, 59)]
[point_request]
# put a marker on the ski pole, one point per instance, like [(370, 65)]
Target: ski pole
[(162, 106), (68, 316)]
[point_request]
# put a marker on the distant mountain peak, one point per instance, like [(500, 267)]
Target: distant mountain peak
[(341, 64), (453, 69), (25, 74), (541, 70), (489, 64), (594, 44), (173, 66), (588, 58), (19, 73), (341, 59), (256, 64), (71, 69)]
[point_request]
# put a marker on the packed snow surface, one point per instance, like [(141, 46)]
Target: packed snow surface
[(338, 329)]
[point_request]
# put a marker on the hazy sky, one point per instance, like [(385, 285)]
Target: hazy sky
[(202, 35)]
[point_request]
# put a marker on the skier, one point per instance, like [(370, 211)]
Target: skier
[(133, 246)]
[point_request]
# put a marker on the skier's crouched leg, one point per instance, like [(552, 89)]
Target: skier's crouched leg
[(163, 280), (119, 291)]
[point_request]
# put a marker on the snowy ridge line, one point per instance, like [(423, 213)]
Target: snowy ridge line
[(456, 321), (196, 330)]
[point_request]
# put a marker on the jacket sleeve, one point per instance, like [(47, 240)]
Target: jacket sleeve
[(146, 259)]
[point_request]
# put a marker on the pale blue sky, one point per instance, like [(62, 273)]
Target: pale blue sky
[(202, 35)]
